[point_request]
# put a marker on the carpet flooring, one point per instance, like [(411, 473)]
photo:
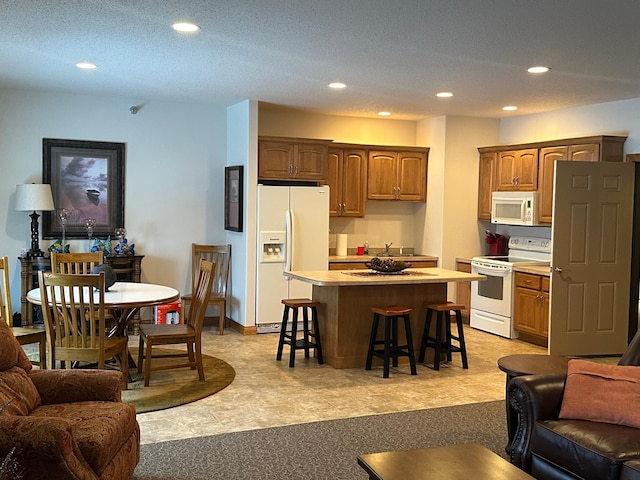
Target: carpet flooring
[(321, 450)]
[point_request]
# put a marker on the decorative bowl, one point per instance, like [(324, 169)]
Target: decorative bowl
[(387, 265)]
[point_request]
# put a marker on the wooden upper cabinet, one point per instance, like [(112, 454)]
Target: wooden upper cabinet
[(292, 160), (485, 184), (545, 180), (583, 153), (412, 176), (517, 170), (531, 167), (382, 178), (397, 175), (346, 177)]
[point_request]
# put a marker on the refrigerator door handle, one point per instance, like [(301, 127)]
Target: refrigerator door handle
[(288, 220)]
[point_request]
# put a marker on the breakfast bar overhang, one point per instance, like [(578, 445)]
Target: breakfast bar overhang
[(347, 296)]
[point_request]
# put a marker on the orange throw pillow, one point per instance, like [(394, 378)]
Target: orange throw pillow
[(602, 393)]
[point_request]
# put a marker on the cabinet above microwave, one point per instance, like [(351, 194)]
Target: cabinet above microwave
[(499, 169)]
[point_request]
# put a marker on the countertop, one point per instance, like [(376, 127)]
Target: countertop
[(333, 278), (464, 259), (534, 269), (367, 258)]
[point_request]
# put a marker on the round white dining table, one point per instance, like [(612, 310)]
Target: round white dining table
[(126, 298)]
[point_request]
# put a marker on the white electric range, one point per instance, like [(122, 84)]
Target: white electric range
[(492, 299)]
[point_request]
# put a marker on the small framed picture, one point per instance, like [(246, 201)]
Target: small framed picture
[(233, 193)]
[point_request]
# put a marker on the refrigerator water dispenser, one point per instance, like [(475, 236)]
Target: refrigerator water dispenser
[(272, 247)]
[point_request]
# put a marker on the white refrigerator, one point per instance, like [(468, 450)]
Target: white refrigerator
[(293, 234)]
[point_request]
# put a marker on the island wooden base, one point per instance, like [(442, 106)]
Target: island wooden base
[(345, 317)]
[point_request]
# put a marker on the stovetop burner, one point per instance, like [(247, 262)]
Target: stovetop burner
[(522, 250)]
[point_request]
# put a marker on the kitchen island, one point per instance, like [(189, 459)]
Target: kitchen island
[(347, 296)]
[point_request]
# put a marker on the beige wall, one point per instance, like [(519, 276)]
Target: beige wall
[(444, 226), (384, 222), (275, 121)]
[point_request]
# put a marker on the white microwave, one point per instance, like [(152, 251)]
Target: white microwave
[(514, 208)]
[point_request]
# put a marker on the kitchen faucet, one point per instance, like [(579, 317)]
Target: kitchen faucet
[(386, 247)]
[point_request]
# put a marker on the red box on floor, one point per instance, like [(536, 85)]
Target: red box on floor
[(168, 313)]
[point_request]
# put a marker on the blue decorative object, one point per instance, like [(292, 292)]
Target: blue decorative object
[(56, 246), (105, 246), (109, 275), (123, 248)]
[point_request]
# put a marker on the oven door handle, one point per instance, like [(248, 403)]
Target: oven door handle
[(497, 272)]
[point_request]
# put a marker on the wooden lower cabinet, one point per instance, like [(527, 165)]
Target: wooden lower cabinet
[(463, 289), (531, 307)]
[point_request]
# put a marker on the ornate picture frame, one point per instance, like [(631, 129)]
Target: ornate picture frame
[(233, 194), (87, 180)]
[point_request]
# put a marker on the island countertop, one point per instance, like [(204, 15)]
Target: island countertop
[(328, 278)]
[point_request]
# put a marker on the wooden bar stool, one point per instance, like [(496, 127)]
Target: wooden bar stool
[(310, 337), (438, 343), (391, 349)]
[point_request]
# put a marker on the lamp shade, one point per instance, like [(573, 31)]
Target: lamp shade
[(34, 196)]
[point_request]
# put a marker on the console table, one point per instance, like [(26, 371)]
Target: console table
[(127, 267)]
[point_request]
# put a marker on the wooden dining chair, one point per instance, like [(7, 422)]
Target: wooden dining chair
[(75, 262), (189, 333), (81, 263), (75, 321), (5, 292), (221, 256), (25, 335)]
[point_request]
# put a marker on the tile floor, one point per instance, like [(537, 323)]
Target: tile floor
[(268, 393)]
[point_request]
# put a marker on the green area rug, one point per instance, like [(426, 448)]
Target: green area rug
[(170, 388)]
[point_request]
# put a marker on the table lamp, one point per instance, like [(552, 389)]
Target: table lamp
[(32, 197)]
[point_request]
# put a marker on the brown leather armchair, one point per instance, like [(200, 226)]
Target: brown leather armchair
[(547, 447), (64, 424)]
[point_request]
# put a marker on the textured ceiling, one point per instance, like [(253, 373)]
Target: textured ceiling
[(394, 55)]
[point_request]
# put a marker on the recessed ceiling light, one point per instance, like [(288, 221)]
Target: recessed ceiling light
[(185, 27), (509, 108), (444, 94), (384, 114), (337, 85), (538, 69), (86, 65)]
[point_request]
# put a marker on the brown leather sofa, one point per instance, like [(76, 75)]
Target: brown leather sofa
[(64, 424), (547, 447)]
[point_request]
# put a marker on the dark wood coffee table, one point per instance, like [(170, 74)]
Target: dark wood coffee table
[(458, 462), (527, 364)]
